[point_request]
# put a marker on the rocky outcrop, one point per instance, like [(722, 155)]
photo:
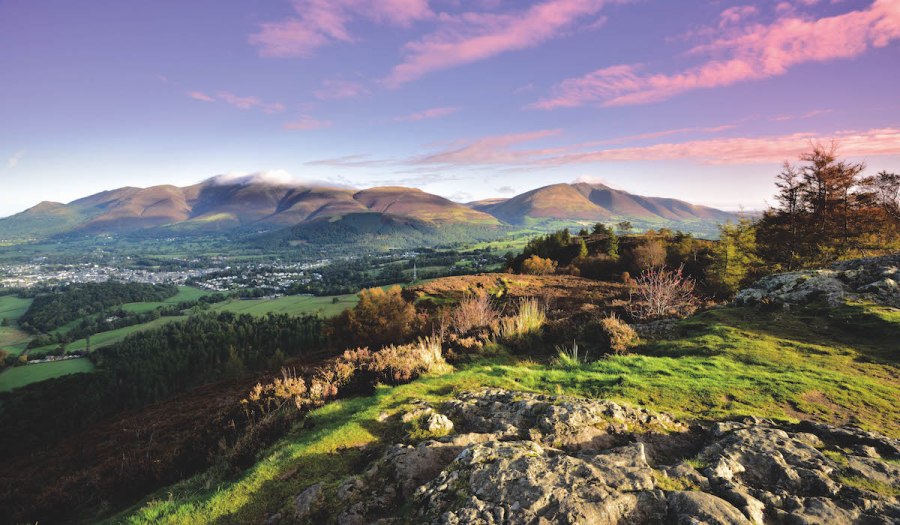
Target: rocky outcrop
[(874, 278), (520, 458)]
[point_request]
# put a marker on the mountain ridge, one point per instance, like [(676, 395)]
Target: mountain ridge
[(219, 204)]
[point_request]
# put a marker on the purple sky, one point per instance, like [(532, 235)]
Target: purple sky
[(694, 99)]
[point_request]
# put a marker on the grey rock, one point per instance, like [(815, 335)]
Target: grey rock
[(690, 508), (521, 458), (872, 278), (308, 502)]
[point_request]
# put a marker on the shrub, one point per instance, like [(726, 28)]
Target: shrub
[(569, 356), (662, 293), (395, 364), (475, 311), (400, 364), (649, 254), (380, 317), (617, 335), (529, 319), (535, 265)]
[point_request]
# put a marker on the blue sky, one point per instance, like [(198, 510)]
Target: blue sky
[(694, 99)]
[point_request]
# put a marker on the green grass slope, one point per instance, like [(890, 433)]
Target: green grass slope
[(291, 304), (838, 366), (23, 375), (12, 339)]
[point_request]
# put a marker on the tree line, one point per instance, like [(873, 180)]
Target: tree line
[(153, 365), (53, 308)]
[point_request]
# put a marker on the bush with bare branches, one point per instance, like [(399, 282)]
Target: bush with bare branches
[(475, 311), (661, 293)]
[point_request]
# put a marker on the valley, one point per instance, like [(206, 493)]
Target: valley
[(443, 262)]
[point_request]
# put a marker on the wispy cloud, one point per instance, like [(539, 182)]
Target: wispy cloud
[(340, 89), (201, 96), (501, 151), (801, 116), (745, 150), (13, 161), (306, 123), (240, 102), (756, 52), (665, 133), (497, 149), (250, 102), (428, 114), (736, 14), (351, 161), (474, 36), (318, 23)]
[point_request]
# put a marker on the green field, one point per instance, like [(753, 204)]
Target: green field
[(12, 339), (107, 338), (185, 293), (23, 375), (291, 304)]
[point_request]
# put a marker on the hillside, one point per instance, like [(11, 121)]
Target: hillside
[(225, 204), (583, 201), (678, 417), (221, 204), (671, 433)]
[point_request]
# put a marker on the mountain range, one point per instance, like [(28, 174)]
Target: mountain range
[(222, 204)]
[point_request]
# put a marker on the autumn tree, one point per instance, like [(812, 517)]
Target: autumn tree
[(381, 317), (535, 265), (826, 210)]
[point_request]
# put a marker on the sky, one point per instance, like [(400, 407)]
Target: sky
[(701, 100)]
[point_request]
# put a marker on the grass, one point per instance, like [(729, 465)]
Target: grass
[(838, 365), (291, 304), (185, 293), (22, 375), (12, 339), (107, 338)]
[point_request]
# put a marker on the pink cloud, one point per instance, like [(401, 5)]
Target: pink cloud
[(470, 37), (666, 133), (736, 14), (760, 51), (318, 23), (306, 123), (201, 96), (754, 150), (500, 150), (428, 114), (340, 89), (802, 116), (250, 102), (492, 150)]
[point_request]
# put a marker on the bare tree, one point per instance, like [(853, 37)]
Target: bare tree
[(662, 293)]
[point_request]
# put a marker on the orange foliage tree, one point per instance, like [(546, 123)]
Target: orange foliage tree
[(535, 265), (380, 318)]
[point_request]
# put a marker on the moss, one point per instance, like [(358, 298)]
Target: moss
[(417, 430), (838, 457), (870, 485), (670, 484)]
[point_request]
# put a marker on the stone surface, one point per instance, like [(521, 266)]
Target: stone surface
[(872, 278), (520, 458)]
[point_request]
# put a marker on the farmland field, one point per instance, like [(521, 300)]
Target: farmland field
[(185, 293), (107, 338), (292, 304), (23, 375), (12, 339)]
